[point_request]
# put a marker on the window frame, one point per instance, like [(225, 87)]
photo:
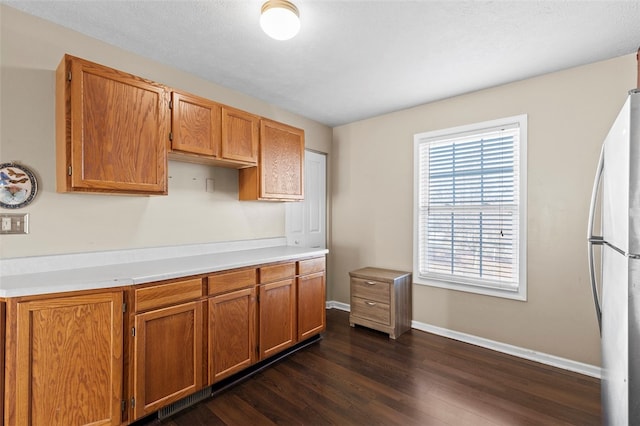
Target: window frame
[(468, 285)]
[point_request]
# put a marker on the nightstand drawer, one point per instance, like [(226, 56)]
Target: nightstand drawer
[(370, 289), (371, 310)]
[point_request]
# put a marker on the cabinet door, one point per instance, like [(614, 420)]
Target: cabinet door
[(232, 333), (112, 130), (195, 124), (277, 308), (311, 305), (281, 161), (69, 361), (167, 350), (279, 174), (239, 136)]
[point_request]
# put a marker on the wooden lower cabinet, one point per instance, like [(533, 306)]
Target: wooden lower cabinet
[(64, 360), (67, 360), (232, 333), (311, 305), (231, 324), (2, 343), (277, 314), (167, 364), (311, 297)]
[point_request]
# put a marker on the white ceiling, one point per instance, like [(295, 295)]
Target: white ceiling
[(358, 59)]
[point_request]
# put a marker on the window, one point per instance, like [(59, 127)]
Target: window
[(470, 208)]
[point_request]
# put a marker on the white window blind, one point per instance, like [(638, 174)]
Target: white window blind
[(468, 207)]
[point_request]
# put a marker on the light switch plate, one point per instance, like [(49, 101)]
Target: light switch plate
[(14, 223)]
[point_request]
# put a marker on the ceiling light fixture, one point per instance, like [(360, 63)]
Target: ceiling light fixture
[(280, 19)]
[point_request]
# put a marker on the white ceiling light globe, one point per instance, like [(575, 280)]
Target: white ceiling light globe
[(280, 19)]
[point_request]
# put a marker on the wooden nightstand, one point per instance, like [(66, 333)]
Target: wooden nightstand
[(381, 300)]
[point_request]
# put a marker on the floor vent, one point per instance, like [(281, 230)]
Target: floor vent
[(171, 409)]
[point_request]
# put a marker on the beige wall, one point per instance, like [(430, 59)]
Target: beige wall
[(569, 114), (64, 223)]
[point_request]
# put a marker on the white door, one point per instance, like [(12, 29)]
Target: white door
[(306, 221)]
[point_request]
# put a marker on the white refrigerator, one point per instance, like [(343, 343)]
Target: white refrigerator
[(617, 292)]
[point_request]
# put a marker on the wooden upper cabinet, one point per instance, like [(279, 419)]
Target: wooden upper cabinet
[(239, 136), (195, 125), (203, 131), (111, 130), (279, 174)]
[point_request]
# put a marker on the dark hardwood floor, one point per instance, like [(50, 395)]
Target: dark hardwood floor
[(356, 376)]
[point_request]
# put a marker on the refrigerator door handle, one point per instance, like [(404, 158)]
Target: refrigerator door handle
[(594, 240)]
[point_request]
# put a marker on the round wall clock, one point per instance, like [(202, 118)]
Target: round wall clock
[(18, 186)]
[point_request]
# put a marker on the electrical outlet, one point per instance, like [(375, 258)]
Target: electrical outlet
[(14, 223)]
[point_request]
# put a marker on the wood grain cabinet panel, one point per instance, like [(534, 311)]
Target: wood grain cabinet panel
[(310, 266), (311, 297), (171, 293), (195, 124), (167, 364), (111, 130), (277, 272), (66, 357), (277, 316), (223, 282), (240, 134), (280, 171), (206, 132), (311, 305), (232, 333)]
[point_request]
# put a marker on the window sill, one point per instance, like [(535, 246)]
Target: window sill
[(520, 294)]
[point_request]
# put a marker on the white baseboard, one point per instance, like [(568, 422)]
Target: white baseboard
[(332, 304), (543, 358)]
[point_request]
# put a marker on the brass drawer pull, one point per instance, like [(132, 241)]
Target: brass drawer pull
[(370, 303), (370, 282)]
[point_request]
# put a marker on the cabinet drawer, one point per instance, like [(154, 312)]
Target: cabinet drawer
[(277, 272), (167, 294), (311, 266), (227, 281), (371, 310), (370, 289)]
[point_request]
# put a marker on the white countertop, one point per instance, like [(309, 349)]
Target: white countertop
[(131, 273)]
